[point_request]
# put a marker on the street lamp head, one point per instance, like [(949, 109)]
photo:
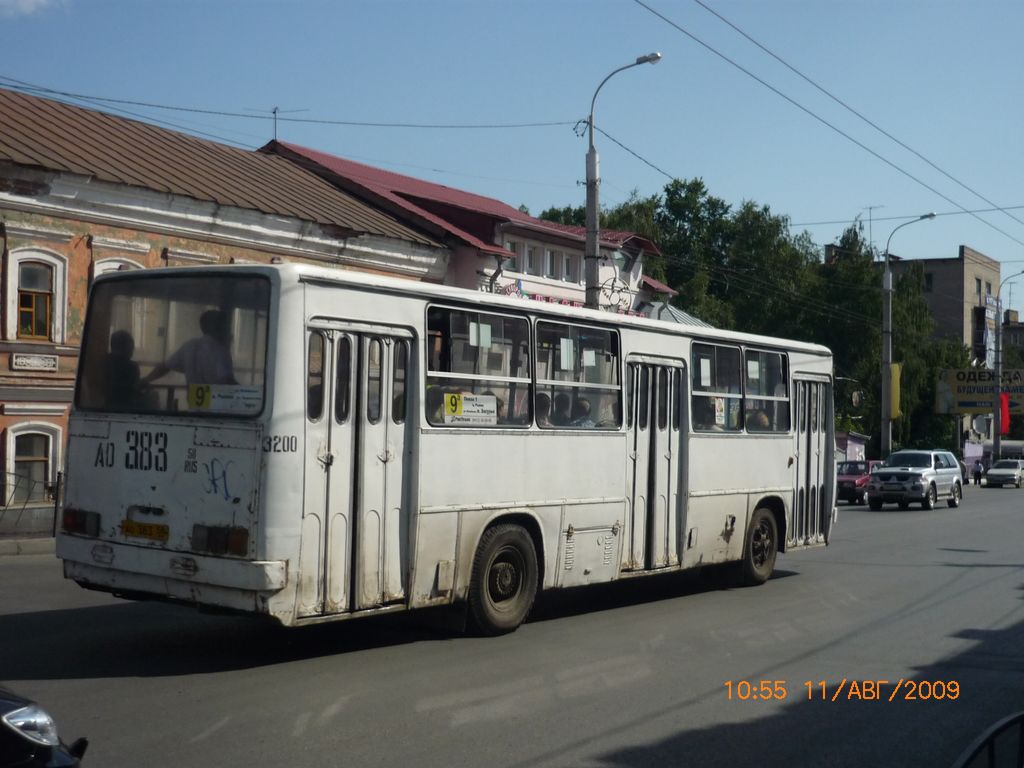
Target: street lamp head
[(650, 58), (927, 216)]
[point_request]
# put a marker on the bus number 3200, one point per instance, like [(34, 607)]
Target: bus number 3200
[(146, 450)]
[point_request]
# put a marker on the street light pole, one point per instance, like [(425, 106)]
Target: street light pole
[(590, 256), (997, 405), (887, 341)]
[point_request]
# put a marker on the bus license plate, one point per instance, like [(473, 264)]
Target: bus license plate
[(145, 530)]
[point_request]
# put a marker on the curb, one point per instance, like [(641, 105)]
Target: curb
[(27, 546)]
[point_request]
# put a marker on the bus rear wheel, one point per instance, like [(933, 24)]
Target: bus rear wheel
[(761, 548), (504, 581)]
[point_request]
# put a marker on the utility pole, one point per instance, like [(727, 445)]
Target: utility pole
[(591, 256), (887, 341)]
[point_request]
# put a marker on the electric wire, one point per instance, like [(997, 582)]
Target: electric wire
[(310, 120), (850, 109), (822, 120)]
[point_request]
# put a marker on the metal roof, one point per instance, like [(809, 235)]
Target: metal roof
[(54, 136), (412, 195)]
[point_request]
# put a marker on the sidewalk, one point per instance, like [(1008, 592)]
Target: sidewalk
[(39, 546)]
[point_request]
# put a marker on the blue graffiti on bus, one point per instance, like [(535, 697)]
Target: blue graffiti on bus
[(217, 477)]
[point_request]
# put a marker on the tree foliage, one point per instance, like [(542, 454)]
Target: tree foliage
[(743, 268)]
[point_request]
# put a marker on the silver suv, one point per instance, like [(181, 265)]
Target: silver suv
[(911, 477)]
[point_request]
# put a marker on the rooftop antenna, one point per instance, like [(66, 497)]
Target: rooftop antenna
[(869, 209), (274, 112)]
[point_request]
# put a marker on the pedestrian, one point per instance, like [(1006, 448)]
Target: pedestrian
[(979, 470)]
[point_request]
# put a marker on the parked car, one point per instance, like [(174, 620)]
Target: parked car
[(1004, 472), (913, 476), (28, 736), (852, 480)]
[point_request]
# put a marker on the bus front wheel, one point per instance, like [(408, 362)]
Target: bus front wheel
[(762, 546), (504, 581)]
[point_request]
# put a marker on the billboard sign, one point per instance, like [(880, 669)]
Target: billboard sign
[(973, 390)]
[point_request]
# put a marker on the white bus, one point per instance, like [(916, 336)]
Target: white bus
[(364, 444)]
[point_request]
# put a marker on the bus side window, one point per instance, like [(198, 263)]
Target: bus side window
[(315, 376), (374, 381), (343, 380), (401, 354)]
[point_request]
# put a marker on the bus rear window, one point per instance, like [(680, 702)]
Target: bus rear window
[(166, 344)]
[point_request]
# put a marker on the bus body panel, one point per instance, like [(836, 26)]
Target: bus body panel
[(380, 509)]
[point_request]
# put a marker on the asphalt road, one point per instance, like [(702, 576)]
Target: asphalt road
[(626, 675)]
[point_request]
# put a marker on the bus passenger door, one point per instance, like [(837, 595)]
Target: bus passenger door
[(353, 525), (653, 422), (380, 523), (813, 497), (327, 513)]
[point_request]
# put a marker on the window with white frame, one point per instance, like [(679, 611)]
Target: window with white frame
[(36, 291), (512, 262), (569, 272), (551, 263), (32, 455), (35, 300), (531, 260)]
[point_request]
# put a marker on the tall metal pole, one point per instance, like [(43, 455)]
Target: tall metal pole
[(887, 341), (997, 405), (591, 271)]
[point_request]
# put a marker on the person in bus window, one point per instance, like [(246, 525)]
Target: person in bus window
[(758, 421), (543, 410), (581, 414), (435, 404), (499, 406), (122, 373), (562, 414), (205, 359)]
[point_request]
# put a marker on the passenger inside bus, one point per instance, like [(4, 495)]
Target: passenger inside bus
[(543, 410), (122, 373), (435, 404), (581, 414), (205, 359), (563, 414)]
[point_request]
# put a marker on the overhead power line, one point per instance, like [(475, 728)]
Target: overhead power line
[(904, 218), (249, 116), (844, 105), (821, 119)]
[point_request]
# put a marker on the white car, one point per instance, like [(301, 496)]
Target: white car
[(1004, 472)]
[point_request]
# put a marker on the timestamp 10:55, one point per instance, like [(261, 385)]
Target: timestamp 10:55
[(845, 690)]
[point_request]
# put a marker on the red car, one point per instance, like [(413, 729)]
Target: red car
[(852, 479)]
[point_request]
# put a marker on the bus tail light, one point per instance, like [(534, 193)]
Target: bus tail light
[(80, 521), (220, 540)]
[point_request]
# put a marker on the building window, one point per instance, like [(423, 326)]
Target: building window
[(551, 263), (512, 262), (36, 287), (988, 288), (569, 273), (928, 278), (531, 260), (977, 285), (31, 451), (35, 300)]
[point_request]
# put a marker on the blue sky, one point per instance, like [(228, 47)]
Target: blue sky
[(943, 77)]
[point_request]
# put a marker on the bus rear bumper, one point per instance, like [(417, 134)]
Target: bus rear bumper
[(123, 568)]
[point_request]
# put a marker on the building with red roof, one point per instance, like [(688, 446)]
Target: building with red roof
[(494, 246)]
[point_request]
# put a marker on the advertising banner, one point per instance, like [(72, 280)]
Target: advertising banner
[(973, 391)]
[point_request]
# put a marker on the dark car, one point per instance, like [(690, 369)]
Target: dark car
[(28, 736), (852, 480)]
